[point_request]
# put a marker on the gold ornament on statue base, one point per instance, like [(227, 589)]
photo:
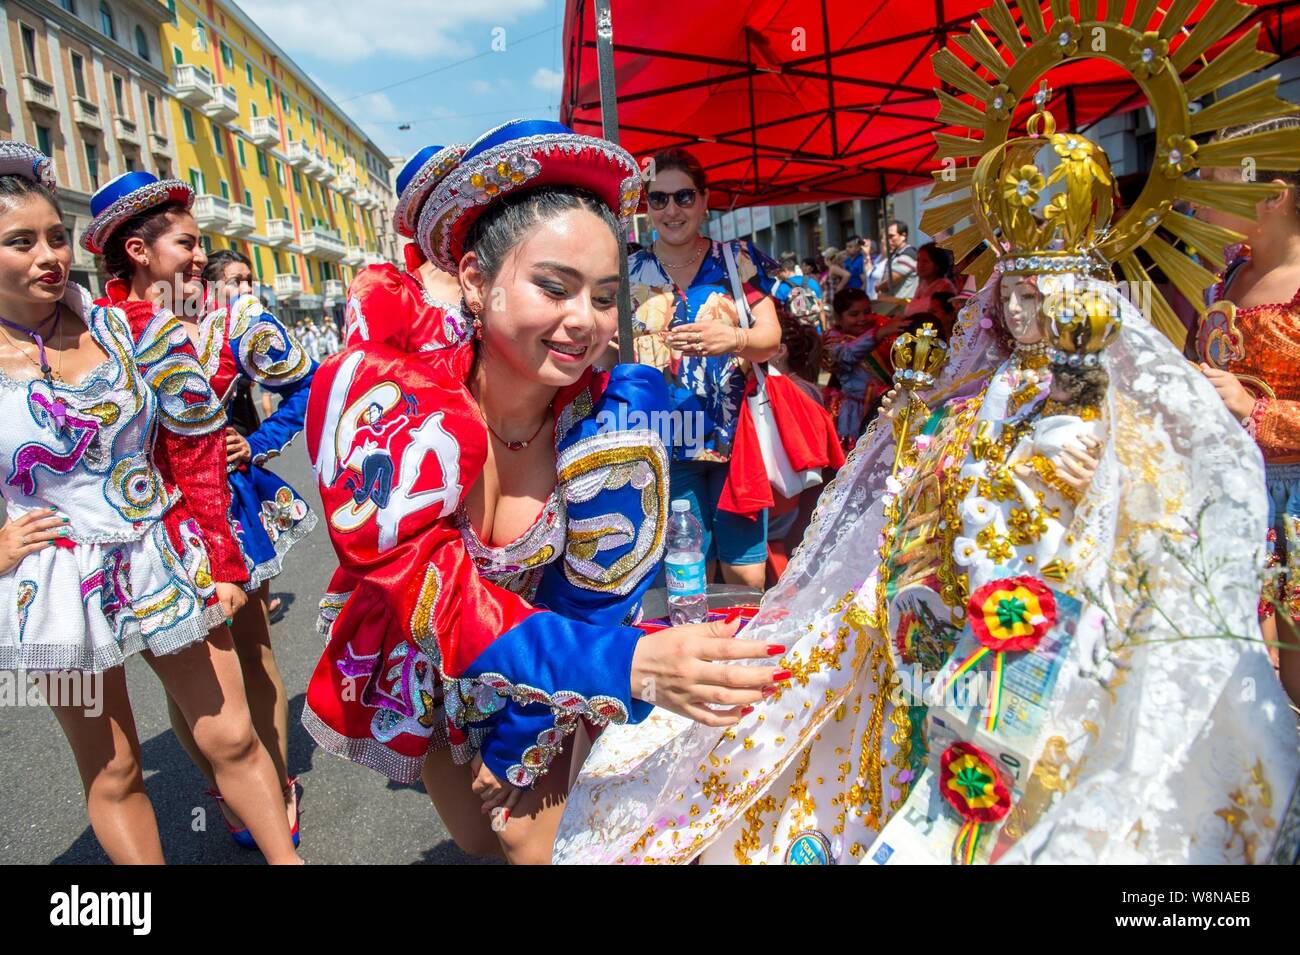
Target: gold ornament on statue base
[(1038, 222)]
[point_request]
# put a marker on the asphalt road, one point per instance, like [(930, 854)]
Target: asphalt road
[(349, 814)]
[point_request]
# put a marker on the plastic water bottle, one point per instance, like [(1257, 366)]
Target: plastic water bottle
[(684, 567)]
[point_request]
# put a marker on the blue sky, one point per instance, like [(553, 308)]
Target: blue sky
[(361, 51)]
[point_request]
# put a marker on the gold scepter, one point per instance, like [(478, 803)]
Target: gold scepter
[(917, 359)]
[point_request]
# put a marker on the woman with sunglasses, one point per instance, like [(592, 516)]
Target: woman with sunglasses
[(116, 541), (687, 324), (151, 246), (467, 488)]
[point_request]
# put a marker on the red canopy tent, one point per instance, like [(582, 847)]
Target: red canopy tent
[(819, 100)]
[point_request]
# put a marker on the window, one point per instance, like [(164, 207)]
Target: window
[(164, 169), (239, 144), (171, 8), (248, 199), (297, 181), (201, 36), (253, 107), (225, 189), (196, 181), (69, 6), (284, 101), (106, 22), (152, 102), (269, 98), (302, 224), (270, 211), (248, 71), (43, 140), (130, 162), (78, 74), (227, 55), (261, 162), (311, 189), (188, 119), (141, 44), (285, 217), (118, 100), (257, 261), (207, 244), (279, 172), (313, 126), (92, 164), (311, 275), (177, 57), (218, 141), (300, 119), (278, 268), (29, 50)]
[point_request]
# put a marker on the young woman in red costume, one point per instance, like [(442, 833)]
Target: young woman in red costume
[(501, 508), (151, 245), (87, 567)]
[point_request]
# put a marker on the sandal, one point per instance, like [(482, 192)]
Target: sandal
[(242, 837)]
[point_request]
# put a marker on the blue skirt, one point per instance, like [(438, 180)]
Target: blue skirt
[(268, 517)]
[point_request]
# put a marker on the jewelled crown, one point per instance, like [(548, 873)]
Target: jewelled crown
[(1080, 324), (989, 175)]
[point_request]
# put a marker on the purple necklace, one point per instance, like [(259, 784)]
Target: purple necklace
[(59, 409)]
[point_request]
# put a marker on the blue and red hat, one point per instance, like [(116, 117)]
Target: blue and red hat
[(418, 178), (128, 195), (518, 155), (20, 159)]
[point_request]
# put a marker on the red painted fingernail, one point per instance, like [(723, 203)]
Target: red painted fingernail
[(769, 690), (781, 676), (505, 814), (746, 710), (775, 649)]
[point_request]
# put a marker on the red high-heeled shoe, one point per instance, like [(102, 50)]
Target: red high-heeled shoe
[(242, 837)]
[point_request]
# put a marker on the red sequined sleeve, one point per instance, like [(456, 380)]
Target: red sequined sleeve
[(1278, 430), (196, 465)]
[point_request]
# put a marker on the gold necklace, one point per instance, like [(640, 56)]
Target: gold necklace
[(699, 252)]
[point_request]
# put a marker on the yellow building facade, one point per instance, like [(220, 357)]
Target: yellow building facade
[(281, 173)]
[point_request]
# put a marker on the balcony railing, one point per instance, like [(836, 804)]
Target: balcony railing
[(126, 129), (85, 113), (266, 131), (299, 154), (323, 172), (158, 143), (309, 301), (323, 244), (39, 93), (279, 232), (345, 184), (224, 107), (288, 285), (333, 288), (355, 256), (376, 258), (193, 84), (243, 220), (212, 213)]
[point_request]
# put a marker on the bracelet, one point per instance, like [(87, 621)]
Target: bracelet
[(742, 340), (1252, 420), (1046, 472)]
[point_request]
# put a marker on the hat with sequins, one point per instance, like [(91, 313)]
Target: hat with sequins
[(20, 159), (519, 155), (126, 196), (418, 178)]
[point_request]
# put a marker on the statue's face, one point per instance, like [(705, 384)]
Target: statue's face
[(1022, 308)]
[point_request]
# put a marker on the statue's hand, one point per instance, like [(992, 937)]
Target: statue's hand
[(1078, 462)]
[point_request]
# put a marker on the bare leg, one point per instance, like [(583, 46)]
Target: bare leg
[(751, 575), (459, 809), (208, 688), (528, 837), (107, 751)]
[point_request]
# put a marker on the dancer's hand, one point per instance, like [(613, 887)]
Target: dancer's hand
[(231, 597), (678, 669), (237, 449), (1239, 401), (494, 793), (33, 531)]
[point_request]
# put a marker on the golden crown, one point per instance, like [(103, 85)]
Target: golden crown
[(1080, 323), (918, 358), (1079, 220)]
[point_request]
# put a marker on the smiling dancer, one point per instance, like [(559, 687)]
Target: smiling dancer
[(89, 573)]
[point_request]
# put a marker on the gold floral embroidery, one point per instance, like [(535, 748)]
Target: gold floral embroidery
[(1248, 815)]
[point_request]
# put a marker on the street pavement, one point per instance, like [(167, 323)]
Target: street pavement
[(349, 814)]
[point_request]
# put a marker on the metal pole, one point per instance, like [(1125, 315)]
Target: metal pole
[(609, 127)]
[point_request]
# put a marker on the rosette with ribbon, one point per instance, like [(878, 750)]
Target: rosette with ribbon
[(1008, 615), (969, 780)]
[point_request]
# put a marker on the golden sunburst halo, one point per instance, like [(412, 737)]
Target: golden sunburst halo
[(1169, 64)]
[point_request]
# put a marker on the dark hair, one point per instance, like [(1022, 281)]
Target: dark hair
[(800, 343), (1081, 385), (845, 299), (149, 225), (505, 223), (940, 256), (812, 265), (899, 225), (682, 160), (853, 238), (789, 261), (1291, 178), (220, 260), (14, 189)]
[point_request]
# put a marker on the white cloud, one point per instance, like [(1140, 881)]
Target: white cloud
[(481, 87), (547, 80), (345, 31)]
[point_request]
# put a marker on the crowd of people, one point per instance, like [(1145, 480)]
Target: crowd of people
[(499, 504)]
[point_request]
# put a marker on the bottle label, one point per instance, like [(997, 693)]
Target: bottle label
[(685, 580)]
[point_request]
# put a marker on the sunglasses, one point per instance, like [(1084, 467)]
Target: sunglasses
[(685, 198)]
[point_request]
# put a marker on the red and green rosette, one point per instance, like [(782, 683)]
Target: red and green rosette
[(970, 782), (1008, 615)]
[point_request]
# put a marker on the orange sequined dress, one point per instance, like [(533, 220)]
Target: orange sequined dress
[(1270, 352)]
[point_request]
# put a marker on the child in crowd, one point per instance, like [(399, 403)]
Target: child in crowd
[(858, 377)]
